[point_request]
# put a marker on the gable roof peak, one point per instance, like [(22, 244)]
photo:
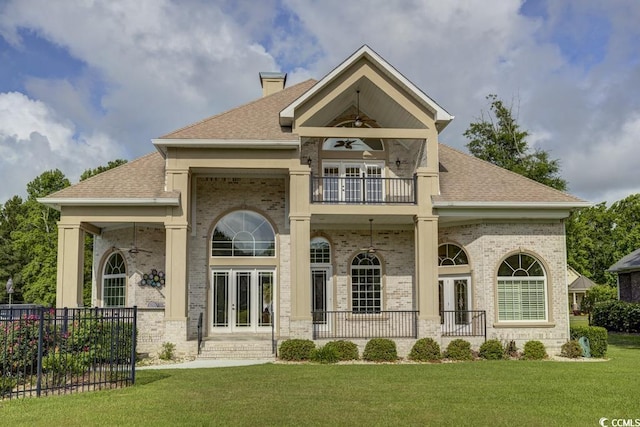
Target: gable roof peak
[(441, 115)]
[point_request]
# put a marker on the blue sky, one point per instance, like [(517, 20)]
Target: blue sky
[(83, 83)]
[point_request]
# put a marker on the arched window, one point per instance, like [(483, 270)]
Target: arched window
[(450, 254), (114, 282), (366, 283), (522, 289), (243, 234), (320, 252)]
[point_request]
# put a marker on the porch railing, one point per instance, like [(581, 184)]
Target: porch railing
[(365, 190), (200, 332), (349, 324), (464, 323)]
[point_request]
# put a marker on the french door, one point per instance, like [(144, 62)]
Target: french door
[(321, 297), (353, 182), (242, 300), (455, 303)]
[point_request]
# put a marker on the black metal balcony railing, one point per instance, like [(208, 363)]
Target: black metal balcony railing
[(381, 324), (365, 190), (464, 323)]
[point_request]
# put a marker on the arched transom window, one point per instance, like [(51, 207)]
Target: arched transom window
[(450, 254), (243, 234), (522, 289), (366, 283), (320, 252), (114, 282)]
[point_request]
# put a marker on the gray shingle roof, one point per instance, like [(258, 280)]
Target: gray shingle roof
[(627, 263), (257, 120), (464, 178), (142, 178), (581, 284)]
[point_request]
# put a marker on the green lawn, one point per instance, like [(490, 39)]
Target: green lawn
[(470, 393)]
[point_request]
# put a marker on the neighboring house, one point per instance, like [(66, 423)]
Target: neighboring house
[(628, 271), (578, 285), (325, 210)]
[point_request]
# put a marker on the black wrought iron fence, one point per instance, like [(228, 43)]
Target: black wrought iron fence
[(45, 351), (349, 324), (464, 323)]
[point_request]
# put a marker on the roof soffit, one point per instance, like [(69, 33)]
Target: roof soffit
[(336, 92)]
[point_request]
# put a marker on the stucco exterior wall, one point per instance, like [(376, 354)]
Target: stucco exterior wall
[(487, 245)]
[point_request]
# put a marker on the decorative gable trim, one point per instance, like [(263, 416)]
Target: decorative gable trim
[(442, 117)]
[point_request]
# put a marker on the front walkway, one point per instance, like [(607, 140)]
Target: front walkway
[(206, 363)]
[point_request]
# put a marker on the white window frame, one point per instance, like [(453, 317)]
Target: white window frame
[(343, 193), (114, 281), (519, 292), (378, 301)]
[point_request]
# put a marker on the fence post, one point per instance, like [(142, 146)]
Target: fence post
[(133, 344), (40, 351)]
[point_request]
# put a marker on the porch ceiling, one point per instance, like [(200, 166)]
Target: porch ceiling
[(361, 221)]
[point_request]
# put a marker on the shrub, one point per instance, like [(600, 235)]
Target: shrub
[(425, 350), (459, 349), (19, 344), (168, 351), (534, 350), (571, 349), (596, 335), (61, 365), (296, 350), (325, 354), (492, 350), (620, 316), (380, 350), (346, 350), (510, 349), (597, 294), (7, 384)]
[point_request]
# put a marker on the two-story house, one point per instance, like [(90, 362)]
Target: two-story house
[(325, 210)]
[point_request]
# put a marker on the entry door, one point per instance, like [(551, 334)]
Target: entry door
[(242, 300), (343, 182), (455, 303), (321, 298)]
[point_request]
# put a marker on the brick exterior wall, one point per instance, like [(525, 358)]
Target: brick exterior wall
[(216, 197), (487, 245)]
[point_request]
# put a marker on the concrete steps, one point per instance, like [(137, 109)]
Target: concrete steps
[(235, 348)]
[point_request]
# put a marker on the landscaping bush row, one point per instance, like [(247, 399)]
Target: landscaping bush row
[(428, 350), (596, 335), (619, 316)]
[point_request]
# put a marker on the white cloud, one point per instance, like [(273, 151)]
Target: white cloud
[(156, 65), (34, 139)]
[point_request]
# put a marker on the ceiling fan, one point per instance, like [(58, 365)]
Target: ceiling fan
[(134, 249), (371, 249), (358, 120), (347, 143)]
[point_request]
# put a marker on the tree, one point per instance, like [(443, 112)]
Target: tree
[(88, 173), (11, 260), (36, 237), (498, 139), (597, 237)]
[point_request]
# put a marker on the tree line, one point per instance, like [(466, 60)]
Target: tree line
[(597, 236), (29, 241)]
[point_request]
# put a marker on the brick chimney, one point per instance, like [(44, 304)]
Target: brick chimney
[(272, 82)]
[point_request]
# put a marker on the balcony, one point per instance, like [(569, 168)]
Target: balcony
[(363, 190)]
